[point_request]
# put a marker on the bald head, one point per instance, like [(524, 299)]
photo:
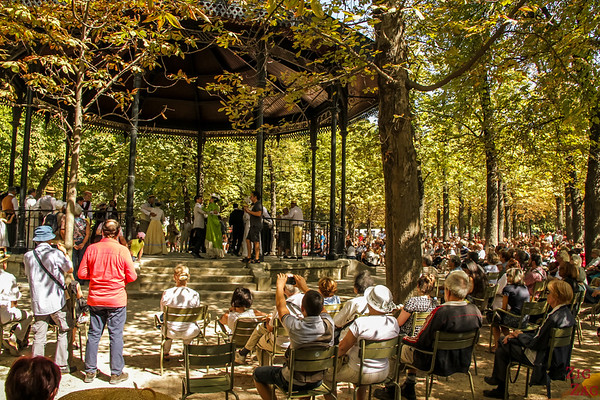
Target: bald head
[(111, 228)]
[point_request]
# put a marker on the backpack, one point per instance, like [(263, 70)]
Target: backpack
[(51, 221)]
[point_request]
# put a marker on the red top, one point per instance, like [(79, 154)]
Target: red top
[(108, 266)]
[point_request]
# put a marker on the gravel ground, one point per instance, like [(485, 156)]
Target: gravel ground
[(142, 343)]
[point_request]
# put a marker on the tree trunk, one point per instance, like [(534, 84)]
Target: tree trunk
[(568, 214), (507, 225), (529, 227), (403, 258), (489, 137), (576, 202), (461, 211), (446, 213), (515, 223), (470, 222), (592, 189), (50, 172), (482, 223), (560, 208), (438, 224), (501, 210)]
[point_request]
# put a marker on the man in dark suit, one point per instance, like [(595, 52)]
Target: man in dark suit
[(532, 348), (236, 221)]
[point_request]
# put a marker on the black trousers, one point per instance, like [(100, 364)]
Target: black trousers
[(197, 240), (505, 353), (237, 238)]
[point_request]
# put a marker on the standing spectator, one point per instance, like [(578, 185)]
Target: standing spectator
[(173, 235), (109, 268), (47, 203), (284, 234), (9, 295), (45, 268), (87, 205), (147, 213), (199, 228), (186, 229), (111, 210), (81, 237), (297, 221), (236, 221), (266, 235), (9, 208), (253, 238), (32, 216)]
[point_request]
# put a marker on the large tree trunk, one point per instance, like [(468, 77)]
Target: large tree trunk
[(446, 212), (515, 223), (560, 209), (507, 226), (576, 202), (482, 222), (489, 137), (501, 210), (592, 189), (403, 258)]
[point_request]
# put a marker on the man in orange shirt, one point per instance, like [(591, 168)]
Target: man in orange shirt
[(109, 268)]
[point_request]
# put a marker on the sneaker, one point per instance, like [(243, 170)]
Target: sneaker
[(89, 377), (240, 359), (11, 345), (68, 370), (114, 379)]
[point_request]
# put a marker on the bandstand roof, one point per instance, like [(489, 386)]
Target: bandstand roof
[(184, 108)]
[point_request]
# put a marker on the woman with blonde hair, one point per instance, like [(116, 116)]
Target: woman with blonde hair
[(180, 296), (422, 302), (514, 295)]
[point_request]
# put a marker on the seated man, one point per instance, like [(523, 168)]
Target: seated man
[(532, 348), (455, 316), (314, 329), (9, 294), (358, 305), (263, 337), (378, 325), (535, 274)]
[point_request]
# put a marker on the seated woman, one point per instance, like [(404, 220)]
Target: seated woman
[(241, 307), (477, 278), (180, 296), (422, 302), (532, 348), (378, 325), (514, 295), (569, 273), (32, 378), (328, 288)]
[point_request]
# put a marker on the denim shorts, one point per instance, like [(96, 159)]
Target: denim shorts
[(270, 375)]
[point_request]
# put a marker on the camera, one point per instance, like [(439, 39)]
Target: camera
[(290, 280)]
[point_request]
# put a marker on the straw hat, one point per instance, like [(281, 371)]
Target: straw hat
[(380, 298)]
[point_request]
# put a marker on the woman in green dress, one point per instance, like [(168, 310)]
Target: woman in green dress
[(214, 238)]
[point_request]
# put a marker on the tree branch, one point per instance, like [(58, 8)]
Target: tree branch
[(470, 63)]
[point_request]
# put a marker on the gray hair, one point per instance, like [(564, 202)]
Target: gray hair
[(457, 283), (292, 289)]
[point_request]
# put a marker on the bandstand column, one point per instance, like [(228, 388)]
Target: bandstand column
[(21, 245), (331, 255), (17, 110), (314, 126), (344, 134), (260, 138), (133, 133)]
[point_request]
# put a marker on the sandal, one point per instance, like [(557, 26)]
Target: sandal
[(245, 260), (255, 262)]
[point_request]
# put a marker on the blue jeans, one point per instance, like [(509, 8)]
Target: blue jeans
[(114, 318)]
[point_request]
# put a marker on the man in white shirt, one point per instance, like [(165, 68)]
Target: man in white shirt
[(9, 295), (146, 213), (199, 228), (45, 268), (358, 305), (47, 203), (296, 219)]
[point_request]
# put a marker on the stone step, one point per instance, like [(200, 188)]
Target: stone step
[(195, 271), (203, 286), (197, 279)]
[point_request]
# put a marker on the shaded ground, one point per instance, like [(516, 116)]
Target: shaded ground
[(142, 343)]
